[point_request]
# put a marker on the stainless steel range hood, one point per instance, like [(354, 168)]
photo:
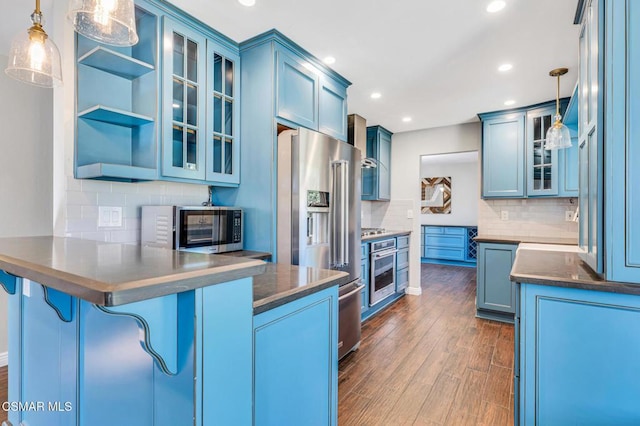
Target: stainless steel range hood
[(357, 136)]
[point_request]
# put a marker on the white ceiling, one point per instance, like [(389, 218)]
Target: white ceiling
[(435, 61)]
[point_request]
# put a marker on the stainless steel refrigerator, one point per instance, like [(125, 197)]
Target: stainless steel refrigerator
[(319, 216)]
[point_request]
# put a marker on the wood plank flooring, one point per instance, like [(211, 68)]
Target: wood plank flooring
[(428, 361), (424, 361)]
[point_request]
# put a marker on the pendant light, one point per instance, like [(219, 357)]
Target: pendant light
[(558, 136), (33, 57), (106, 21)]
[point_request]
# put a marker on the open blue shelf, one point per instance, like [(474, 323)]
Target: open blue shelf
[(114, 116), (115, 63), (115, 172)]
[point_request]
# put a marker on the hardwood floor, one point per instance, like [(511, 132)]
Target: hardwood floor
[(424, 361), (428, 361)]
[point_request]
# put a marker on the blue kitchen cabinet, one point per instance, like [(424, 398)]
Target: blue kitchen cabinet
[(402, 263), (116, 105), (297, 90), (495, 295), (376, 181), (268, 61), (184, 92), (449, 245), (503, 156), (578, 357), (201, 107), (332, 120), (296, 362), (568, 158), (542, 165), (514, 161), (123, 133), (364, 277)]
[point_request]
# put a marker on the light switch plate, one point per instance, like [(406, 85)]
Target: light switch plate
[(109, 217), (409, 214)]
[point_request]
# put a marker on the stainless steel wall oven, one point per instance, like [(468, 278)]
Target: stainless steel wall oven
[(383, 270)]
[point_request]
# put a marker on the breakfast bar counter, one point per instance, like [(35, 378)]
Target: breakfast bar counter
[(105, 334)]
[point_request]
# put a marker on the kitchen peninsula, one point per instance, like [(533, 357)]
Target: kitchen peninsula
[(105, 333)]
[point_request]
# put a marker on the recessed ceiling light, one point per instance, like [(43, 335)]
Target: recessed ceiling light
[(509, 102), (176, 105), (247, 3), (406, 119), (505, 67), (496, 6), (376, 95), (329, 60)]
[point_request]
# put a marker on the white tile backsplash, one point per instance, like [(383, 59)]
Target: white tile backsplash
[(389, 215), (543, 217), (84, 196)]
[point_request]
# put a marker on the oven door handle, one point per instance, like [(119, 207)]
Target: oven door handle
[(382, 254), (351, 293)]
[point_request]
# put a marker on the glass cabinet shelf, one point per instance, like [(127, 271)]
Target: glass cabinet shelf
[(122, 172), (114, 116), (115, 63)]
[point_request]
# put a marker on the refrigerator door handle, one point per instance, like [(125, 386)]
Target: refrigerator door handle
[(340, 214)]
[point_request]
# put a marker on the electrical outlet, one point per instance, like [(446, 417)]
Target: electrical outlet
[(568, 216), (504, 215), (109, 217), (409, 214)]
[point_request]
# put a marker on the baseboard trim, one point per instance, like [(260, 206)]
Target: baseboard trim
[(413, 291), (4, 359)]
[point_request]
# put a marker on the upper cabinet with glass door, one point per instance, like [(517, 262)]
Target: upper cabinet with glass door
[(183, 148), (542, 164), (223, 106), (508, 143), (201, 109)]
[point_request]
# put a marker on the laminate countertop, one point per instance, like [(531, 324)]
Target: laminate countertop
[(281, 284), (510, 239), (562, 269), (386, 234), (110, 274)]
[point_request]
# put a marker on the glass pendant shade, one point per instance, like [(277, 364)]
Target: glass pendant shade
[(106, 21), (34, 58), (558, 136)]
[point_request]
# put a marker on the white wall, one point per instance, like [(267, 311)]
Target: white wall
[(25, 166), (464, 191), (406, 149)]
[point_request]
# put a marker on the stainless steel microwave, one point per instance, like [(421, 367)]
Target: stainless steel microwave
[(193, 228)]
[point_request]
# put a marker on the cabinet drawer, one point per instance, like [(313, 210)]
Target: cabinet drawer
[(402, 259), (364, 248), (402, 279), (454, 231), (454, 241), (444, 253), (402, 242), (433, 230)]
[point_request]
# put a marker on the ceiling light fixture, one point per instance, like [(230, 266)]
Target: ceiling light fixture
[(558, 136), (247, 3), (406, 119), (33, 57), (106, 21), (376, 95), (329, 60), (509, 102), (496, 6), (505, 67)]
